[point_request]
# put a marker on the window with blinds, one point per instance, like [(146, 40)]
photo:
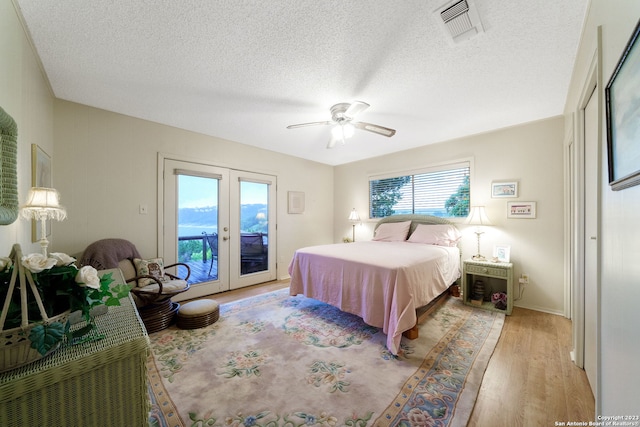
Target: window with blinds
[(441, 191)]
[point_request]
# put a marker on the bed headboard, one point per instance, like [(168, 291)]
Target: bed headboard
[(415, 220)]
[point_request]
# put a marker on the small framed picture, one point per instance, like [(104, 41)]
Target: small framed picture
[(501, 253), (296, 202), (521, 210), (504, 189)]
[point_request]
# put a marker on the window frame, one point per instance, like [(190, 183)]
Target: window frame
[(442, 166)]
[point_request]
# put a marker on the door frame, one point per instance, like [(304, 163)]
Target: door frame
[(161, 157), (575, 216)]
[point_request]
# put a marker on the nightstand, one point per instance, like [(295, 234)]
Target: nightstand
[(496, 277)]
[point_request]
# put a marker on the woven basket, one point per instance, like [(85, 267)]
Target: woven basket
[(15, 347)]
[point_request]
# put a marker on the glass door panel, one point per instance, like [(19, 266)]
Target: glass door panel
[(195, 224), (253, 236), (198, 225)]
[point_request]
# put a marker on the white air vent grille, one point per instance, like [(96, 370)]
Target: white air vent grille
[(460, 19), (457, 18)]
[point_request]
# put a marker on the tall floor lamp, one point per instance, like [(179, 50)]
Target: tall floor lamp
[(478, 217), (354, 218), (43, 204)]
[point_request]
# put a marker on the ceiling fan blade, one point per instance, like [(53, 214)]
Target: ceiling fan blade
[(301, 125), (356, 108), (380, 130)]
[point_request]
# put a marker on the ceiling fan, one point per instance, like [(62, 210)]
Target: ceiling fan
[(342, 116)]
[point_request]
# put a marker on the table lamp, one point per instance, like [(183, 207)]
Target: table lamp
[(43, 204), (478, 217), (354, 218)]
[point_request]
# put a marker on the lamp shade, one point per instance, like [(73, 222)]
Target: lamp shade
[(43, 203), (478, 216), (353, 216)]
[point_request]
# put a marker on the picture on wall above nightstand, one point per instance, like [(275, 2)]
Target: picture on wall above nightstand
[(521, 210), (504, 189)]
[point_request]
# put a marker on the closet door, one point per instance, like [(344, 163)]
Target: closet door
[(591, 245)]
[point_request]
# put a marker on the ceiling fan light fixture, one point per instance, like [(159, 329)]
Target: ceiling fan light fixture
[(342, 131), (348, 130)]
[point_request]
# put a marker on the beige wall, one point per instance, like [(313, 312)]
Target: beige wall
[(106, 166), (619, 287), (530, 154), (25, 95)]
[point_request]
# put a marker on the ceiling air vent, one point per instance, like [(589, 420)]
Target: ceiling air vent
[(460, 19)]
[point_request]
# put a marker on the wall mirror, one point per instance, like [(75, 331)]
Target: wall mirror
[(8, 169)]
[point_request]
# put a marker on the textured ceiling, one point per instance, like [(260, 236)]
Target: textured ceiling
[(244, 70)]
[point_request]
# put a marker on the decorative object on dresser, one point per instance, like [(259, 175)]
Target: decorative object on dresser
[(501, 253), (41, 295), (42, 205), (478, 217), (497, 278)]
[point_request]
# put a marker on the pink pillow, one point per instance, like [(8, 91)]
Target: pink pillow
[(392, 231), (436, 234)]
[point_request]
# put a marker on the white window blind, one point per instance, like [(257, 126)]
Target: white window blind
[(440, 191)]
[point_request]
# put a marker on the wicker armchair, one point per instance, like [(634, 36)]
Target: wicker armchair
[(151, 285)]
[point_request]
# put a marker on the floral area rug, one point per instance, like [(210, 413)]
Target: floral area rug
[(275, 360)]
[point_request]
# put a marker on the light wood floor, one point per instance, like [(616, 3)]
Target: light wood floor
[(530, 380)]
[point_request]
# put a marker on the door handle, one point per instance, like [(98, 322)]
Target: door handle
[(225, 238)]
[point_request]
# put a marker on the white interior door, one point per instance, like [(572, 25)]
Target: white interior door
[(220, 223), (591, 271)]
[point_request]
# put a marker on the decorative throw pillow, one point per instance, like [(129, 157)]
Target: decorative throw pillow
[(149, 267), (436, 234), (392, 231)]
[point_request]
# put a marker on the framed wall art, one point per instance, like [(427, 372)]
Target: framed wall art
[(622, 98), (521, 210), (504, 189), (502, 253), (296, 202)]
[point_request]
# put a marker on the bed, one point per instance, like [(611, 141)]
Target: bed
[(411, 261)]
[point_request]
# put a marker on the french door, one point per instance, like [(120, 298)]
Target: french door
[(217, 221)]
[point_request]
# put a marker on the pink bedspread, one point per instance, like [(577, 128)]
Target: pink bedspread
[(382, 282)]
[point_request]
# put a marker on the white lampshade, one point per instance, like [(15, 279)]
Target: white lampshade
[(478, 216), (353, 216), (43, 204)]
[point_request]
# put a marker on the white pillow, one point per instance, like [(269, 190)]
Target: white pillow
[(392, 231), (436, 234)]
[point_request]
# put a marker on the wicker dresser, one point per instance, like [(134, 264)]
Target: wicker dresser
[(100, 383)]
